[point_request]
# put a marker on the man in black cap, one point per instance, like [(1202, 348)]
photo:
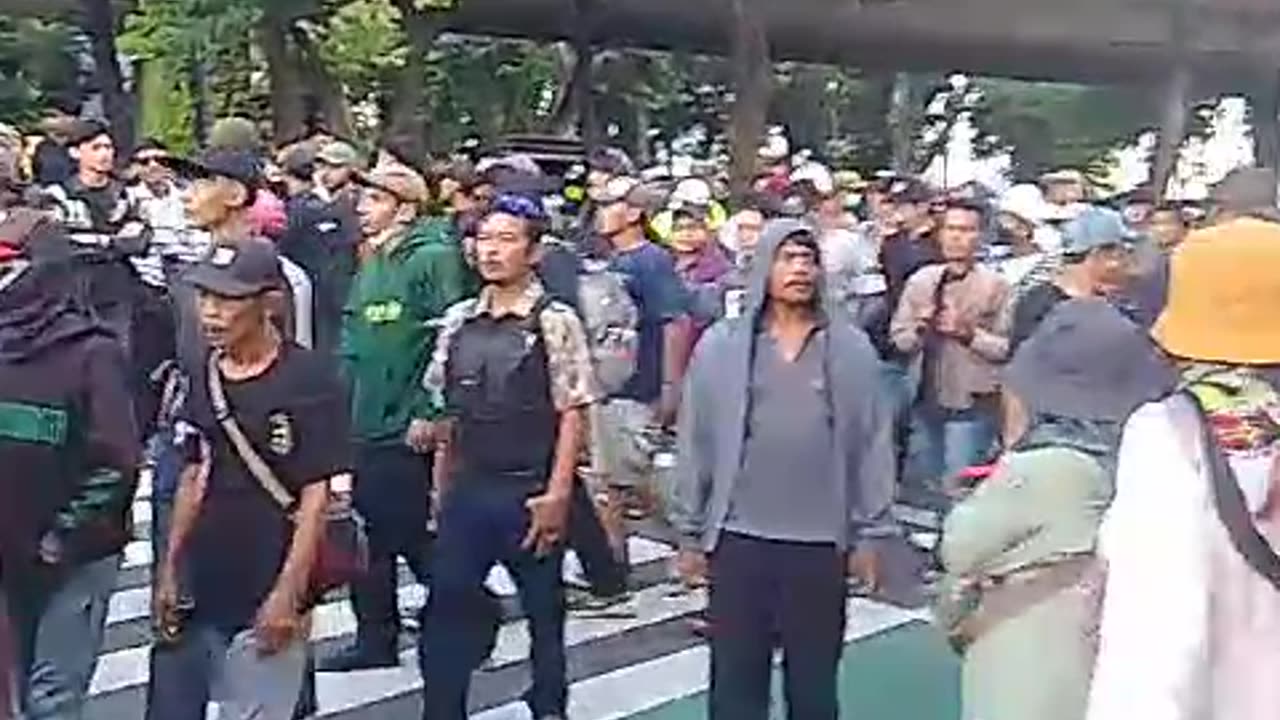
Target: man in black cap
[(321, 237), (246, 538), (70, 451)]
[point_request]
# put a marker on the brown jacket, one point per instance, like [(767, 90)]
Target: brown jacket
[(959, 371)]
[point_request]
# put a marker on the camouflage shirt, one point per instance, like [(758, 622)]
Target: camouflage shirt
[(573, 382)]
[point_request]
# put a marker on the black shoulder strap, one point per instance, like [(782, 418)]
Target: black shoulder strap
[(1230, 503), (533, 322)]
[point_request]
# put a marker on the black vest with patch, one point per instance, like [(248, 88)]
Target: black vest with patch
[(498, 390)]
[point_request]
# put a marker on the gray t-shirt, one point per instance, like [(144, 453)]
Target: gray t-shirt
[(786, 489)]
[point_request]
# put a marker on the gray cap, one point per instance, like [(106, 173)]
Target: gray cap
[(1088, 361), (339, 154), (1093, 229), (249, 268), (648, 197), (235, 133), (1247, 190)]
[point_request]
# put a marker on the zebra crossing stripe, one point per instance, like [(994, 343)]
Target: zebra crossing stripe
[(135, 603), (634, 689)]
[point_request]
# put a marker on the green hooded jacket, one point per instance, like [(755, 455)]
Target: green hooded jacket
[(389, 329)]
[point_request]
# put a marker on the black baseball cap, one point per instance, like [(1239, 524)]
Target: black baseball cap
[(238, 165), (86, 130), (249, 268)]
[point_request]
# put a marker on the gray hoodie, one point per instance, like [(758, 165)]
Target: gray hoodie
[(713, 418)]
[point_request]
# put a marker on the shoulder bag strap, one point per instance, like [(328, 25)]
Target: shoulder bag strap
[(258, 467), (1229, 499)]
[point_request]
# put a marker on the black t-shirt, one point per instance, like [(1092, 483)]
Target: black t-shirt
[(1031, 310), (296, 418)]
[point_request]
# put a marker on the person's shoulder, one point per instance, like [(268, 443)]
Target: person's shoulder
[(926, 274), (991, 277), (103, 347), (646, 256), (558, 313), (431, 230), (722, 333), (308, 370), (456, 315), (461, 310)]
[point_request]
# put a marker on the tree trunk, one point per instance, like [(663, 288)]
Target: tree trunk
[(751, 79), (199, 79), (583, 82), (330, 102), (902, 123), (100, 24), (288, 110), (1173, 128), (1266, 121), (408, 120), (643, 127), (1177, 96), (564, 111)]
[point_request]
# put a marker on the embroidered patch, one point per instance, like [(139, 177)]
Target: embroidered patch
[(33, 424), (222, 256), (280, 433), (386, 312)]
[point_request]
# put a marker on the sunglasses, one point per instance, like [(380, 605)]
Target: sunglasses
[(151, 159)]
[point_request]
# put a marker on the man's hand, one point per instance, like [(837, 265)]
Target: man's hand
[(52, 549), (548, 516), (668, 407), (952, 325), (691, 565), (421, 436), (864, 564), (278, 622), (164, 597)]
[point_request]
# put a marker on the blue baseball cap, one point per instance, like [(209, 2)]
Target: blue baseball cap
[(1095, 228)]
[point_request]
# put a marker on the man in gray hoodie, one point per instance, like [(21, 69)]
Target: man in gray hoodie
[(786, 465)]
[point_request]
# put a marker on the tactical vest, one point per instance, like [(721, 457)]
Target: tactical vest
[(498, 390)]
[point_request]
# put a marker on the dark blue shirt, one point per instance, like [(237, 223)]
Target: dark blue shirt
[(660, 298)]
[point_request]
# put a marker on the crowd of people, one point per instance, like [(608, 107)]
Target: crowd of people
[(326, 361)]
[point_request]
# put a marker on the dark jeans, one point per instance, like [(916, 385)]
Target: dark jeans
[(393, 493), (765, 594), (483, 521), (8, 662)]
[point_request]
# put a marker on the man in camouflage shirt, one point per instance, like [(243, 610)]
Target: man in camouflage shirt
[(515, 372)]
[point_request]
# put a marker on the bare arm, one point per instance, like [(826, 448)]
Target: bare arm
[(186, 508), (442, 467), (675, 352), (568, 449)]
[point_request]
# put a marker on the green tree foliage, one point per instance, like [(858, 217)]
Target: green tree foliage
[(363, 43), (1046, 126), (169, 38), (37, 67), (488, 88)]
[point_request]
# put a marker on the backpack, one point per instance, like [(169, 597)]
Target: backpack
[(612, 322)]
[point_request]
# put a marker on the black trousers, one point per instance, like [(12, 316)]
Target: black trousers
[(767, 594), (586, 536), (393, 493)]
